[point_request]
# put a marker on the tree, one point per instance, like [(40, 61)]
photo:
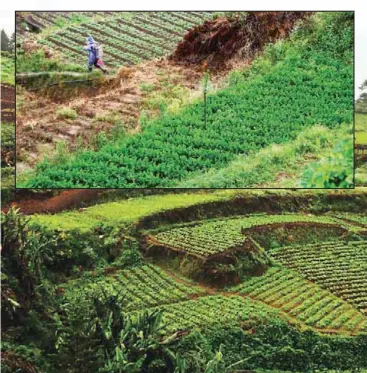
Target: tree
[(5, 42), (363, 86), (361, 103), (12, 43)]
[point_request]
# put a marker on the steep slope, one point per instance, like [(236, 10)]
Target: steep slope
[(312, 83)]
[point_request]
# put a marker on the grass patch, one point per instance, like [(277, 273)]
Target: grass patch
[(37, 61), (333, 171), (361, 176), (66, 113), (126, 211), (361, 129), (7, 69), (109, 117), (276, 164)]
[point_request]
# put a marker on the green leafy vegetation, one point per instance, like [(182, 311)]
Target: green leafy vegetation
[(140, 287), (312, 84), (80, 296), (128, 37), (66, 113), (7, 127), (334, 171), (331, 265), (303, 300), (37, 62), (7, 68), (361, 129), (210, 238), (266, 168)]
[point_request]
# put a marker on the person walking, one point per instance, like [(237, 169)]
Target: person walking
[(94, 55)]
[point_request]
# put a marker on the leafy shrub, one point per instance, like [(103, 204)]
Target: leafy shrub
[(334, 171)]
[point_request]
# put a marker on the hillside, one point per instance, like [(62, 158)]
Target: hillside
[(7, 125), (232, 279), (294, 85)]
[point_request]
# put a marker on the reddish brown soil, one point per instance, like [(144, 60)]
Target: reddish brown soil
[(216, 42), (39, 128), (7, 103), (17, 363), (65, 200)]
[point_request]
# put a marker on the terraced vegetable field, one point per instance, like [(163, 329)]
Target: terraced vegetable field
[(140, 287), (338, 267), (209, 312), (212, 237), (127, 38), (303, 300), (360, 219), (311, 83), (103, 291)]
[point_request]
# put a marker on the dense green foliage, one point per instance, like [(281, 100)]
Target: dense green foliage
[(304, 82), (273, 344), (7, 71), (334, 171)]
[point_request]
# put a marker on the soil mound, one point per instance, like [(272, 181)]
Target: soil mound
[(64, 201), (219, 40)]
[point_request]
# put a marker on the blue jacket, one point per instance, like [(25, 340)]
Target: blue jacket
[(91, 48)]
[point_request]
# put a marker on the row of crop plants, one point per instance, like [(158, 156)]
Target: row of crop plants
[(311, 85), (357, 218), (208, 312), (139, 287), (50, 19), (127, 38), (340, 267), (305, 301), (208, 238)]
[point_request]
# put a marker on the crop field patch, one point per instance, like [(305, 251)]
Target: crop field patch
[(140, 287), (209, 312), (213, 237), (340, 267), (127, 38), (312, 85), (93, 289), (359, 219), (303, 300)]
